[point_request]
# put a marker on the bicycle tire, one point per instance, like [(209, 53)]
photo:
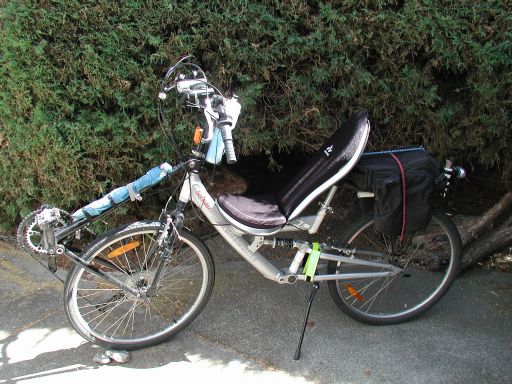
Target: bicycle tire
[(106, 315), (431, 260)]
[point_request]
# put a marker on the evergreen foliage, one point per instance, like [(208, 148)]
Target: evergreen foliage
[(79, 79)]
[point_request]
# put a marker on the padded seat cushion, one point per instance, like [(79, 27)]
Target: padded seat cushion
[(260, 212)]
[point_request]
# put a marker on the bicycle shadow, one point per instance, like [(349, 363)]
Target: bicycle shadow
[(16, 369), (34, 355)]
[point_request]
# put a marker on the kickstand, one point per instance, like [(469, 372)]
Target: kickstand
[(314, 290)]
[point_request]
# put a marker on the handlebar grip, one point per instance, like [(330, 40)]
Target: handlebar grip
[(228, 143)]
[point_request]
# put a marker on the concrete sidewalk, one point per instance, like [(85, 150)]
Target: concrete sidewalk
[(249, 331)]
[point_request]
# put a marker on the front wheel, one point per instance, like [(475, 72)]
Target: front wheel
[(430, 260), (107, 315)]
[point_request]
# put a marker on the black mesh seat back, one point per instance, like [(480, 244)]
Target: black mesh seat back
[(329, 165)]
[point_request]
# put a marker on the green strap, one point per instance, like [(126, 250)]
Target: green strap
[(312, 262)]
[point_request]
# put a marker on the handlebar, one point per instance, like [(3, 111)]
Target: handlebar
[(225, 131), (226, 124), (190, 83)]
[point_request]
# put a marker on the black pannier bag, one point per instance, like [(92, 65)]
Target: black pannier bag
[(403, 181)]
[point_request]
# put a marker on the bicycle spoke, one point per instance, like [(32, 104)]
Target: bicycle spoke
[(107, 313), (374, 297), (363, 289), (427, 262), (119, 321), (174, 272), (116, 317)]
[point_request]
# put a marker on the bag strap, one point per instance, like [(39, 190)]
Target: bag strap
[(404, 186)]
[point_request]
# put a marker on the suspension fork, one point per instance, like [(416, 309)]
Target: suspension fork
[(173, 223)]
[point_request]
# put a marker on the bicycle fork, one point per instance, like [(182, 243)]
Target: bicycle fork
[(162, 239)]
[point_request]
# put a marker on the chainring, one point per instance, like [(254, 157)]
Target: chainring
[(29, 236)]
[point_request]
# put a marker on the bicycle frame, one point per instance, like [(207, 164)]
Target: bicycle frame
[(194, 190)]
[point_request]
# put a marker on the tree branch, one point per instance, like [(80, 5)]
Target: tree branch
[(476, 227), (488, 243)]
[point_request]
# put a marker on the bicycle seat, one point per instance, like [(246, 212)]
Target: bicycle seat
[(328, 166), (261, 212)]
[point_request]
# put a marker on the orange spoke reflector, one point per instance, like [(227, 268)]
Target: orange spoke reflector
[(353, 292), (198, 135), (123, 249)]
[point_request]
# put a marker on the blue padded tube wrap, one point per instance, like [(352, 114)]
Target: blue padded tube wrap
[(121, 194)]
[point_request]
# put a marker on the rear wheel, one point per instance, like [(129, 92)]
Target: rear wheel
[(430, 260), (105, 314)]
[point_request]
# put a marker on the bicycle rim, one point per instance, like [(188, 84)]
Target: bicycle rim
[(430, 260), (106, 314)]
